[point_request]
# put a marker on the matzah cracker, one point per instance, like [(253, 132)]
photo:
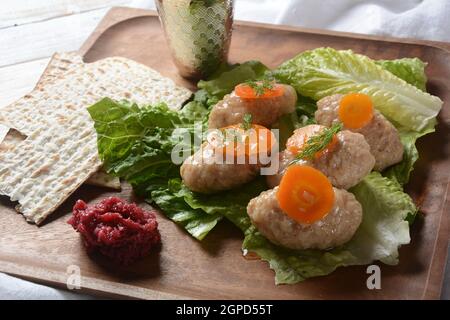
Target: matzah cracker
[(12, 138), (60, 151), (3, 132), (59, 63), (116, 78), (48, 166)]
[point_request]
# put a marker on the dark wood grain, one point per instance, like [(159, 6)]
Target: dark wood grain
[(215, 268)]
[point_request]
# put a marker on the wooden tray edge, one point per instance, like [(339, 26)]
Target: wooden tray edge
[(357, 36), (116, 15), (436, 275)]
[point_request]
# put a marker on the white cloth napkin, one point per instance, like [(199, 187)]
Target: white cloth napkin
[(421, 19)]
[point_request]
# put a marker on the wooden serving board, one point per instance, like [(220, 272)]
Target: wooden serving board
[(215, 268)]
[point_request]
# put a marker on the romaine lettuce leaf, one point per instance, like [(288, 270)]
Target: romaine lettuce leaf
[(412, 70), (383, 230), (387, 210), (226, 78), (125, 129), (135, 143), (171, 201), (401, 171), (230, 204), (306, 107), (325, 71), (286, 125)]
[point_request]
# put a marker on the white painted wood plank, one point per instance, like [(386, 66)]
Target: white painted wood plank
[(18, 12), (40, 40), (26, 50), (18, 80)]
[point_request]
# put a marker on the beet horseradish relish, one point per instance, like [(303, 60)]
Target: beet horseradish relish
[(119, 230)]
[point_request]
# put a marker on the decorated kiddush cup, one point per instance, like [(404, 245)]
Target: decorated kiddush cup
[(198, 33)]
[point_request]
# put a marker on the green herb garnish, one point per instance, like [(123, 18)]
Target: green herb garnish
[(317, 143), (247, 121), (260, 87)]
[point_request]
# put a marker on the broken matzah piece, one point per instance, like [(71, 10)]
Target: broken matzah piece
[(10, 139), (46, 167), (60, 151), (116, 78), (59, 63)]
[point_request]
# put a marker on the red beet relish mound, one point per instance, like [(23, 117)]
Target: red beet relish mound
[(121, 231)]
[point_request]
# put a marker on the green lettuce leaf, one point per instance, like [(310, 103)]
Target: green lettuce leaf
[(135, 143), (230, 204), (286, 125), (383, 230), (306, 107), (325, 71), (401, 171), (387, 210), (227, 77), (412, 70), (171, 201), (124, 130)]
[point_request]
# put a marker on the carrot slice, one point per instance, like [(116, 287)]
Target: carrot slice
[(256, 141), (305, 194), (355, 110), (246, 91), (259, 141), (298, 140)]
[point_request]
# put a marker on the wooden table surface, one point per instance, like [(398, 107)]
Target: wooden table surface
[(31, 31)]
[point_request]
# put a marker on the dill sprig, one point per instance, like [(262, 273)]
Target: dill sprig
[(260, 87), (317, 143), (247, 121)]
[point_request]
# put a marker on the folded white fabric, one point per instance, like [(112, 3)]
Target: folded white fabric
[(421, 19)]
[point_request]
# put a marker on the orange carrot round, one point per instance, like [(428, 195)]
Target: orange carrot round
[(355, 110), (246, 91), (301, 136), (259, 140), (305, 194), (256, 141)]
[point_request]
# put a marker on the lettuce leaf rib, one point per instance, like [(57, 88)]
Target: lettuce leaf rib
[(326, 71)]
